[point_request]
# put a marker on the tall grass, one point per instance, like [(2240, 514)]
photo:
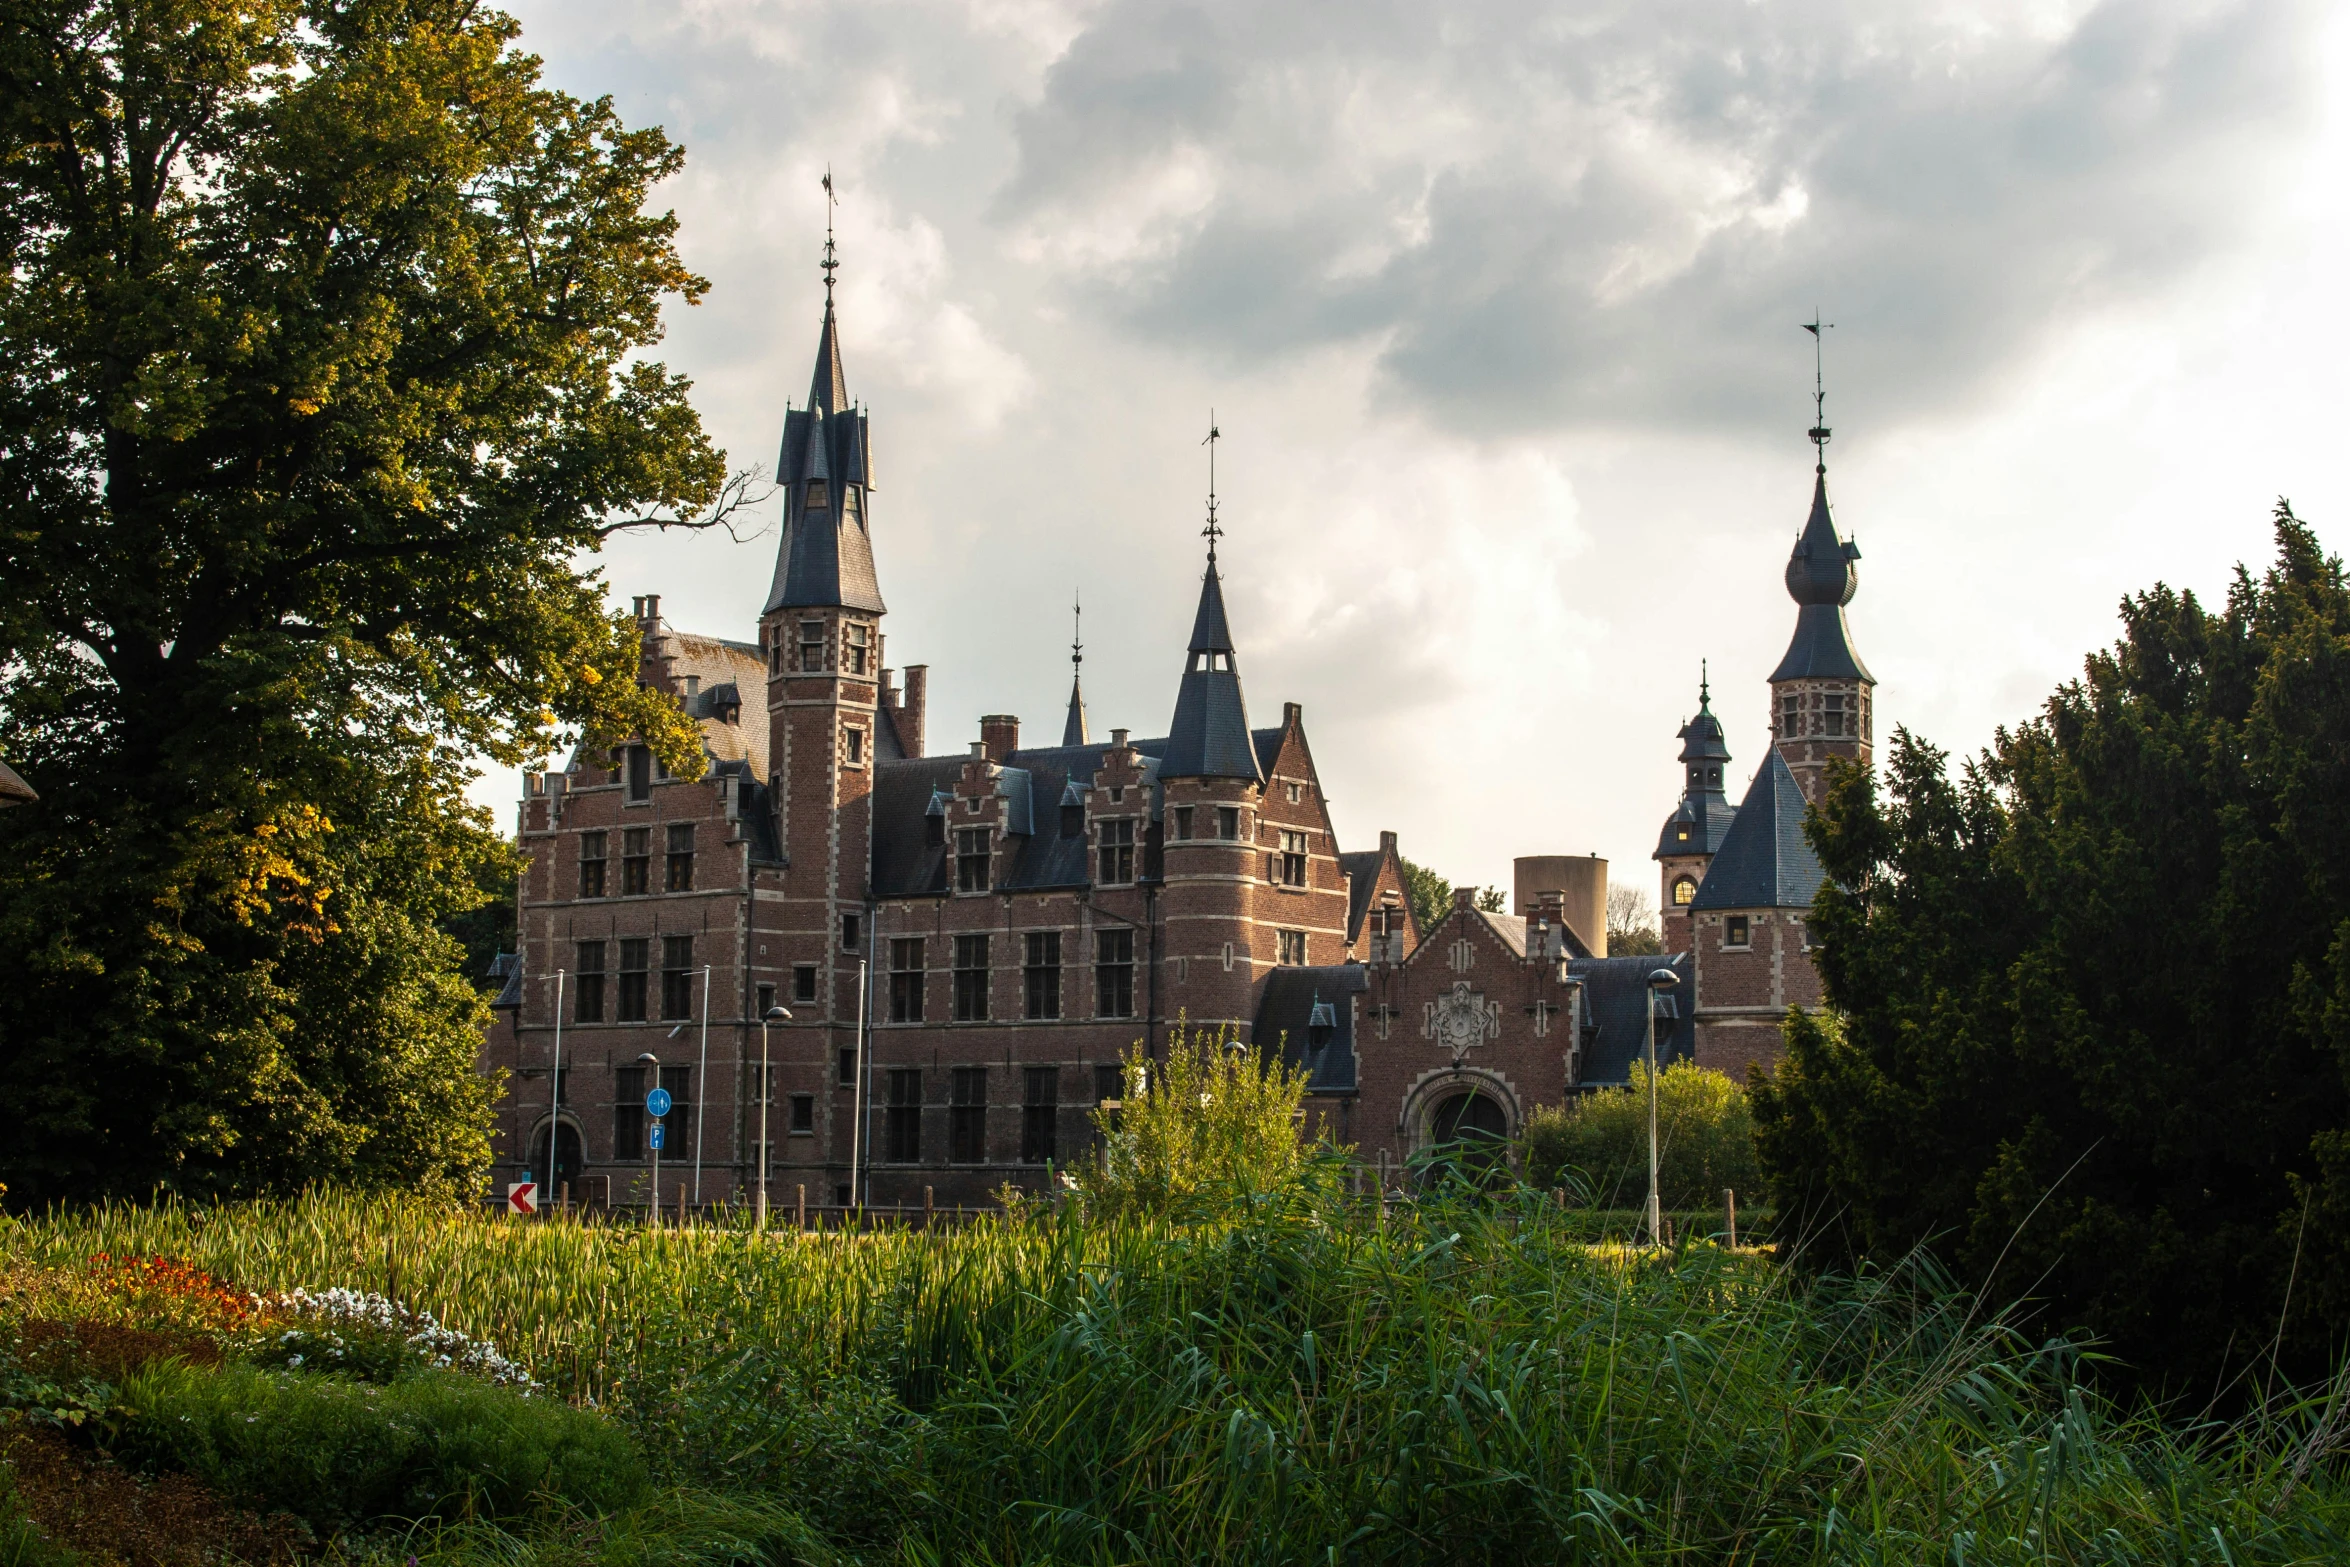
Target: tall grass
[(1457, 1383)]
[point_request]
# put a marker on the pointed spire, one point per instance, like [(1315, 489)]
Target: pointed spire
[(1210, 737), (1701, 737), (826, 557), (1073, 729)]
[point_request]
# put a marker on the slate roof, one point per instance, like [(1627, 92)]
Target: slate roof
[(1764, 862), (1362, 873), (1033, 784), (14, 790), (1614, 997), (1073, 727), (1285, 1021), (724, 670), (826, 557), (1210, 735), (507, 966), (1707, 815), (1822, 579)]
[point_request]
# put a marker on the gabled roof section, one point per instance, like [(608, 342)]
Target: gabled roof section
[(1764, 862), (1615, 1016), (1210, 736), (1285, 1022)]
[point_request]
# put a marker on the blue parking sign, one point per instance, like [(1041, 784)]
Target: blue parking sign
[(656, 1136)]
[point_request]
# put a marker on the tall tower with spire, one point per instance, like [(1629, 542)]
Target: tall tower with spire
[(1693, 834), (829, 719), (1821, 693)]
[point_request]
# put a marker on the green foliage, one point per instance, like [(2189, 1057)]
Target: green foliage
[(1463, 1383), (1211, 1125), (320, 370), (2094, 995), (335, 1452), (1429, 894), (1597, 1145)]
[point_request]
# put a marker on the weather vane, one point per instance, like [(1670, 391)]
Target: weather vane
[(1077, 627), (1214, 530), (831, 262), (1819, 386)]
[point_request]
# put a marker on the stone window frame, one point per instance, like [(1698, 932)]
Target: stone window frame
[(1737, 933)]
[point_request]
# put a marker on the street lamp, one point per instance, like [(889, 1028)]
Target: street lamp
[(1659, 981), (653, 1131), (766, 1097)]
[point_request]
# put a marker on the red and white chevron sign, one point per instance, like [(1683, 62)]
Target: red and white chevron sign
[(523, 1197)]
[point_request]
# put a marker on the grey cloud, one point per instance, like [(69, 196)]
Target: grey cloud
[(1579, 216)]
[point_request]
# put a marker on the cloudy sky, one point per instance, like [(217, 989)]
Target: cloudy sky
[(1498, 307)]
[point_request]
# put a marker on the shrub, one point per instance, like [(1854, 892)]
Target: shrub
[(1212, 1125), (1598, 1145), (336, 1452)]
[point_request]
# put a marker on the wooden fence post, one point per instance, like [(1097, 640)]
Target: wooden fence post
[(926, 1210), (1730, 1215), (800, 1211)]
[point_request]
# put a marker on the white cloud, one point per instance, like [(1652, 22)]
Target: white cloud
[(1497, 303)]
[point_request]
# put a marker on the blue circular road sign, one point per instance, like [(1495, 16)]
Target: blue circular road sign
[(657, 1102)]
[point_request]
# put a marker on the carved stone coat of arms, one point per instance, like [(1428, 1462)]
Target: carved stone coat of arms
[(1460, 1019)]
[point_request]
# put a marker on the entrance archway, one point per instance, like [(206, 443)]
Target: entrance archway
[(563, 1163), (1468, 1135)]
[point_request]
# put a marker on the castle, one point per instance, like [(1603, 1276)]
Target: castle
[(967, 943)]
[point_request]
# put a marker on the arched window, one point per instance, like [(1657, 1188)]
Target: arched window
[(1684, 892)]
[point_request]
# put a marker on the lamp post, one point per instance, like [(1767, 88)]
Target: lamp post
[(766, 1097), (653, 1133), (1659, 981)]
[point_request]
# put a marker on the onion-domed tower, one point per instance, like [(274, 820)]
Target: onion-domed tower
[(1693, 833), (1821, 693)]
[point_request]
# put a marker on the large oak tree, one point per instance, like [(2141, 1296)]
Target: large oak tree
[(319, 382)]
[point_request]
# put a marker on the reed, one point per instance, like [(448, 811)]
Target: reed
[(1460, 1381)]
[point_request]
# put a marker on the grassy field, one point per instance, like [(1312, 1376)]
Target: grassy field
[(1467, 1382)]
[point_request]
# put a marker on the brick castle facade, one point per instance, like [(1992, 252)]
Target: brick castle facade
[(967, 943)]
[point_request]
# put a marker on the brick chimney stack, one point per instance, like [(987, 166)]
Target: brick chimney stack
[(999, 736), (909, 712)]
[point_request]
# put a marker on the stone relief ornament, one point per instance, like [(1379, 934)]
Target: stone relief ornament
[(1461, 1019)]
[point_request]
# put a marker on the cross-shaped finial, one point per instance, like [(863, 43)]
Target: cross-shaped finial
[(831, 262), (1214, 530), (1703, 694)]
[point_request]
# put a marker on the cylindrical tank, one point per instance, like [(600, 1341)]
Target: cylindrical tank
[(1581, 882)]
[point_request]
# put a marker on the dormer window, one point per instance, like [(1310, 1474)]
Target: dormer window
[(1681, 835), (818, 497), (848, 503)]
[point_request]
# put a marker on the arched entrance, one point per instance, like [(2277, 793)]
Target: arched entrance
[(1468, 1136), (553, 1167)]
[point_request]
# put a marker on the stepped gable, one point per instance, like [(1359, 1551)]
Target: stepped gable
[(1764, 862)]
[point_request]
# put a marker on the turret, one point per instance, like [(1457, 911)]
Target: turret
[(1693, 833)]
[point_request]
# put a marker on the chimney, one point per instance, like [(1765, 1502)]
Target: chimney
[(909, 714), (693, 687), (1118, 739), (1387, 843), (999, 736), (648, 610), (1292, 715)]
